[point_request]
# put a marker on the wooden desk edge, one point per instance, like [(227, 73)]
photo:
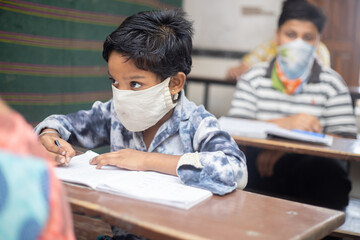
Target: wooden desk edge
[(327, 229), (151, 231), (295, 147), (155, 231)]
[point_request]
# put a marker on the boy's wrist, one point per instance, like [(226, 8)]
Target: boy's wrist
[(49, 131)]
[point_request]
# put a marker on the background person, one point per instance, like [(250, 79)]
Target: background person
[(32, 202), (295, 92), (265, 52)]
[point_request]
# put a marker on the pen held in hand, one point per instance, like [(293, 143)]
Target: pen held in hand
[(63, 160), (57, 143)]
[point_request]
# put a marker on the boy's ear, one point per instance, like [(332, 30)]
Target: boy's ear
[(177, 83)]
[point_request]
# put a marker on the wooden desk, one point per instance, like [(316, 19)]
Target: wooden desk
[(239, 215), (346, 149)]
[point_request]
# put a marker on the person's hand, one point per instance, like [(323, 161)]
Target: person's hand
[(62, 155), (125, 158), (237, 71), (301, 121), (266, 160)]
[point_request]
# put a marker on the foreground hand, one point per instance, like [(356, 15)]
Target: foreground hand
[(62, 155), (266, 160), (301, 121), (125, 158)]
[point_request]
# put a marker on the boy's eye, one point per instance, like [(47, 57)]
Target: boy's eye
[(135, 85), (113, 81), (291, 35), (308, 37)]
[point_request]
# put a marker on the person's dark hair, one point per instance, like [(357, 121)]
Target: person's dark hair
[(302, 10), (157, 41)]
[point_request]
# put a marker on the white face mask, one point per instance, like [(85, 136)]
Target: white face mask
[(296, 58), (140, 110)]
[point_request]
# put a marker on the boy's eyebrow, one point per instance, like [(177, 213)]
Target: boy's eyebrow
[(136, 77), (131, 78)]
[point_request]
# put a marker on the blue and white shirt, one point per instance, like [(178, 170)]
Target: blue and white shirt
[(218, 164)]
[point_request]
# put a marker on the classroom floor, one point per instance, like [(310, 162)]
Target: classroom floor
[(88, 228)]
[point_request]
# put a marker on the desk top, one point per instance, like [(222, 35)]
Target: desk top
[(342, 148), (239, 215)]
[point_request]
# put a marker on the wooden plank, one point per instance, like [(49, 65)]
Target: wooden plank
[(239, 215), (86, 227), (346, 149)]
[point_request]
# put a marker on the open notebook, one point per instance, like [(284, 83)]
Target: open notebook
[(258, 129), (146, 186)]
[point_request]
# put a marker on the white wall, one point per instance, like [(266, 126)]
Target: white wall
[(238, 25), (231, 25)]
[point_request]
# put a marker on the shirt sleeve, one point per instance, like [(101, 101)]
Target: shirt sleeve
[(262, 53), (217, 164), (244, 102), (339, 116), (323, 55), (89, 129)]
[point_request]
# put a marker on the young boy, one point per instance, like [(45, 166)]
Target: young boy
[(294, 91), (150, 124)]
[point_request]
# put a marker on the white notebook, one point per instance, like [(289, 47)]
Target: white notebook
[(258, 129), (147, 186)]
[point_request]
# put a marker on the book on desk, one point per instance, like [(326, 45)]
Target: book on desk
[(258, 129), (147, 186)]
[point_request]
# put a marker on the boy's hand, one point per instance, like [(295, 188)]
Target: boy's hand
[(63, 153), (301, 121), (125, 158), (266, 160), (234, 72)]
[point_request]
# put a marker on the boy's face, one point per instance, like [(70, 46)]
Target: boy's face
[(124, 75), (293, 29)]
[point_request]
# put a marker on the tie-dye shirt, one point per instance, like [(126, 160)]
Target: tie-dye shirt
[(217, 165)]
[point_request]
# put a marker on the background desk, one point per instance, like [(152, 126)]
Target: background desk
[(239, 215), (346, 149)]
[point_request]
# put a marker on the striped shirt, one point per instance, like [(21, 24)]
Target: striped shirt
[(324, 96)]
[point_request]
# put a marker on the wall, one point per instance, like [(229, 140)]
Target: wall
[(227, 25), (235, 25), (51, 52)]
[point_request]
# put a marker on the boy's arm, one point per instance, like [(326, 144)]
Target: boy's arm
[(132, 159), (88, 129), (217, 164)]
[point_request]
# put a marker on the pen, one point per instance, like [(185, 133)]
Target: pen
[(63, 161), (57, 143)]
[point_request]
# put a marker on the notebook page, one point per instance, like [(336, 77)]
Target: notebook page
[(80, 171), (146, 186), (158, 188)]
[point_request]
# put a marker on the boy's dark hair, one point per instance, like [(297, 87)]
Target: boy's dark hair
[(157, 41), (302, 10)]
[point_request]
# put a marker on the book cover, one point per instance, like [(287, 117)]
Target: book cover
[(261, 130)]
